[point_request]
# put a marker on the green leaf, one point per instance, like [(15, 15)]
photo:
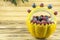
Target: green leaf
[(24, 1), (14, 2)]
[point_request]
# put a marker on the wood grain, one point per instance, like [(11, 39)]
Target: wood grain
[(13, 20), (23, 34)]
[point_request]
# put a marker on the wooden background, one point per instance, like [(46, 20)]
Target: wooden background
[(12, 19)]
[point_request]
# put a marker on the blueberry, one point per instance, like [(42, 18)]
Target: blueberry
[(40, 18), (35, 19), (49, 6), (33, 5), (46, 17)]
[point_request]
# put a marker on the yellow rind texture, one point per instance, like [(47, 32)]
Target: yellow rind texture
[(37, 30), (42, 31), (51, 28)]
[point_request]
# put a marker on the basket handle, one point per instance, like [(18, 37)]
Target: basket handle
[(38, 9)]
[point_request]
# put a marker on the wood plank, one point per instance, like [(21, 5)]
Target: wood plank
[(23, 34)]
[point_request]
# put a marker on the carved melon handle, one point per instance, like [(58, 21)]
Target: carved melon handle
[(41, 9)]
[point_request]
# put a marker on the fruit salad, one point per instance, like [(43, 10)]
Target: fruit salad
[(41, 20), (41, 26)]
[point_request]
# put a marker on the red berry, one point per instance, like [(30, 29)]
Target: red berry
[(34, 21), (29, 11), (38, 22), (41, 5), (44, 18), (44, 22), (55, 13)]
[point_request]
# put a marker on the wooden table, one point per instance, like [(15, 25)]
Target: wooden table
[(21, 33), (12, 14)]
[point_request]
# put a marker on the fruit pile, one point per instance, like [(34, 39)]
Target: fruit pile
[(41, 20)]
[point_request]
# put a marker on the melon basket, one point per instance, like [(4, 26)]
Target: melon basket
[(41, 26)]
